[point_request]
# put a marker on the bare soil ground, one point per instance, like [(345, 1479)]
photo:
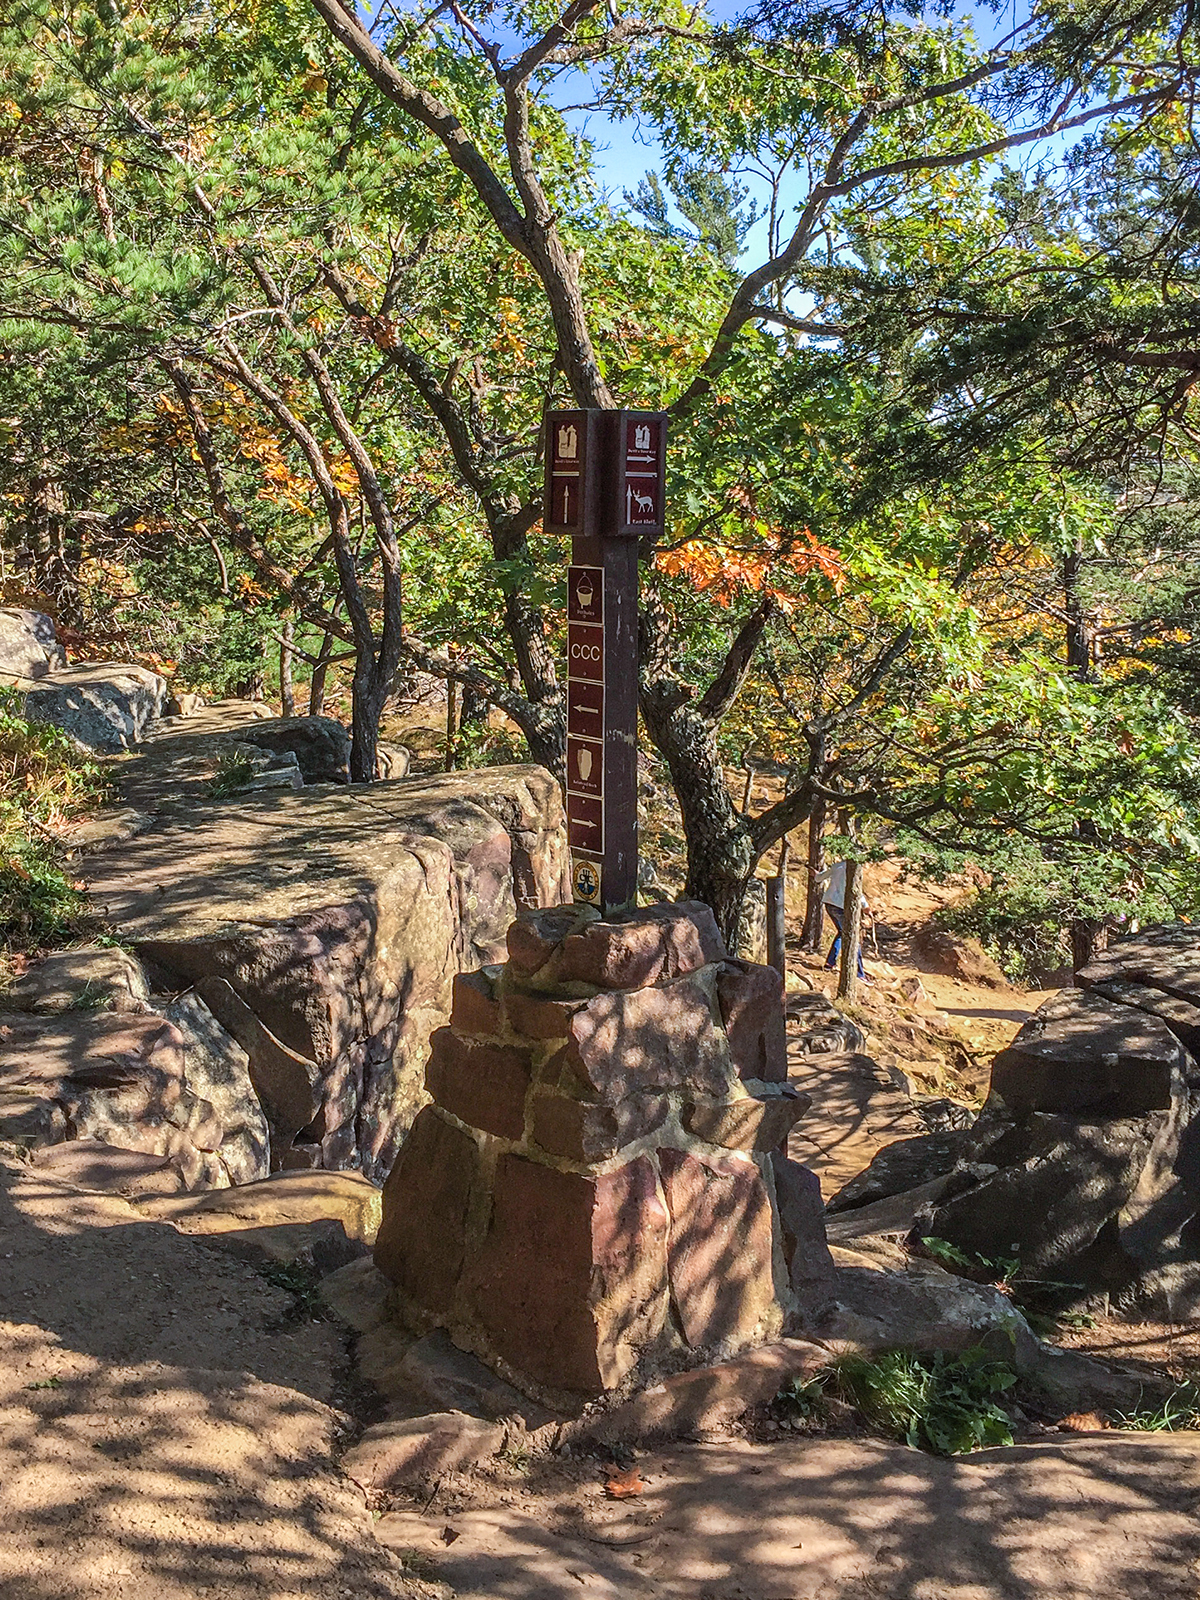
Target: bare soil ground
[(168, 1425), (829, 1519)]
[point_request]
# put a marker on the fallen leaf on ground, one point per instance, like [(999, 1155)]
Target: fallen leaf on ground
[(1082, 1422), (625, 1485)]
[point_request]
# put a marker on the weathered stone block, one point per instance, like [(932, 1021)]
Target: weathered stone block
[(705, 1398), (1081, 1052), (1165, 957), (751, 1002), (535, 1016), (28, 647), (450, 1379), (483, 1085), (106, 1169), (571, 1280), (422, 1237), (811, 1270), (563, 1126), (581, 1131), (1181, 1016), (720, 1249), (90, 978), (658, 1039), (750, 1122), (474, 1008), (536, 934), (391, 1454), (641, 947), (1051, 1203), (338, 919)]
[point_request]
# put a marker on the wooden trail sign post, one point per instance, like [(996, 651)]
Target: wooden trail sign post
[(605, 489)]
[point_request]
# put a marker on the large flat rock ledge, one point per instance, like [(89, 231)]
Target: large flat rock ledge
[(323, 928)]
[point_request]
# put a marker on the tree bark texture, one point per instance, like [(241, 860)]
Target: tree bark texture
[(287, 689), (316, 688), (851, 932), (814, 906), (451, 725), (777, 924)]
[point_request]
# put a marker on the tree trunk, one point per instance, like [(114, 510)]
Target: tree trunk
[(777, 924), (287, 691), (368, 699), (474, 708), (451, 724), (1080, 628), (1088, 938), (851, 932), (720, 853), (42, 556), (316, 689), (814, 908)]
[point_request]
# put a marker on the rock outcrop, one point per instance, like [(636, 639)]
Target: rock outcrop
[(323, 928), (28, 647), (104, 707), (123, 1080), (954, 956), (597, 1191), (1085, 1162), (303, 933)]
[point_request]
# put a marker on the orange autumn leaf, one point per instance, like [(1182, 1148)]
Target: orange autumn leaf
[(724, 572), (625, 1485)]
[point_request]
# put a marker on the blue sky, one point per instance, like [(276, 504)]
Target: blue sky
[(625, 152)]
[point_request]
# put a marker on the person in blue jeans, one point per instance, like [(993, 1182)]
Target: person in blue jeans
[(834, 900)]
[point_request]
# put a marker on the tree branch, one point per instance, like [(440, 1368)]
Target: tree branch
[(721, 693)]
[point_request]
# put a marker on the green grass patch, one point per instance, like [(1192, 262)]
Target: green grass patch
[(1178, 1412), (44, 783), (943, 1404), (233, 773)]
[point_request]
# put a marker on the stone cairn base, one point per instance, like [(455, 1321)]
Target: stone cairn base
[(597, 1194)]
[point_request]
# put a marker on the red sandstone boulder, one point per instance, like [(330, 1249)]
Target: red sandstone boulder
[(748, 1122), (570, 1283), (421, 1243), (650, 945), (751, 1002), (474, 1007), (650, 1040), (720, 1255), (336, 920), (481, 1084), (571, 949)]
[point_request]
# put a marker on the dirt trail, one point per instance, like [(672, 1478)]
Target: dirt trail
[(166, 1426), (832, 1519)]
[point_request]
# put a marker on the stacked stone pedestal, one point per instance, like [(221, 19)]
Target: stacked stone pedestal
[(595, 1195)]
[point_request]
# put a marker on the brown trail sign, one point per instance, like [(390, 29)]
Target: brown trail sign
[(605, 487)]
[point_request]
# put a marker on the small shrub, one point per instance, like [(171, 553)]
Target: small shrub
[(231, 777), (300, 1280), (44, 782), (943, 1404)]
